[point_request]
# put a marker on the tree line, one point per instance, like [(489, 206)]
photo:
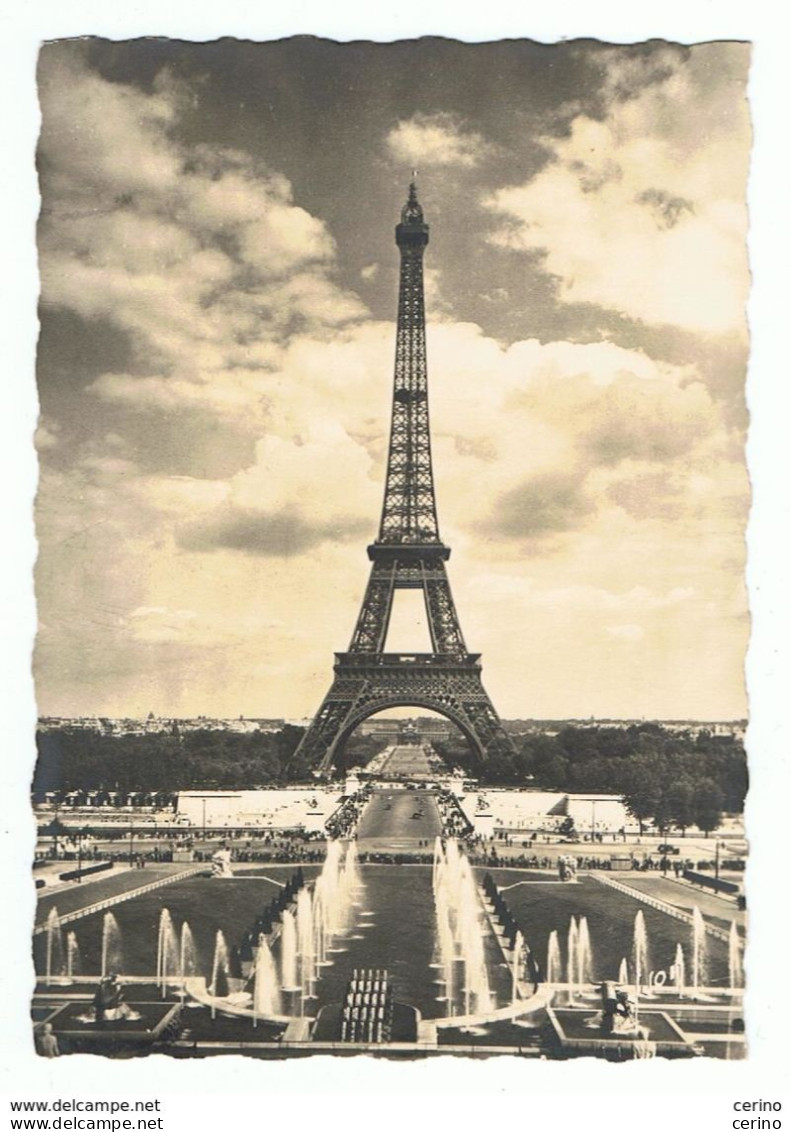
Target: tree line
[(77, 759), (72, 758), (675, 779)]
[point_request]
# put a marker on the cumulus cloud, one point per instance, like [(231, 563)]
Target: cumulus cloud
[(281, 534), (591, 492), (541, 505), (436, 139), (298, 493), (652, 421), (643, 211), (201, 256), (537, 436)]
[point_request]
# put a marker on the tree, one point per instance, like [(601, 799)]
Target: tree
[(498, 770), (298, 769), (681, 804), (708, 806), (642, 792)]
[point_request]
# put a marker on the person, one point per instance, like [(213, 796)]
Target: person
[(47, 1043)]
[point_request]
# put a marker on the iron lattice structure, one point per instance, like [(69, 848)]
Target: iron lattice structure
[(408, 554)]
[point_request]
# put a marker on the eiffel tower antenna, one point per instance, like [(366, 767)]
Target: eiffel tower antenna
[(407, 554)]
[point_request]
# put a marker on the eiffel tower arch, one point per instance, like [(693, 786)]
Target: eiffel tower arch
[(407, 554)]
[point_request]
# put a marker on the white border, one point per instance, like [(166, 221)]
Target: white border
[(567, 1095)]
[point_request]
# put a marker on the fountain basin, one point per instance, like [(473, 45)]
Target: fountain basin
[(150, 1019), (577, 1034)]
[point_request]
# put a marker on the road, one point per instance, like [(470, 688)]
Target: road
[(390, 824)]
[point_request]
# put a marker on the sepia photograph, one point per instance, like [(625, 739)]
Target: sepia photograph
[(391, 523)]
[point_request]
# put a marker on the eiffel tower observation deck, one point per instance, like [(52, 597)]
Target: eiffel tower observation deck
[(407, 554)]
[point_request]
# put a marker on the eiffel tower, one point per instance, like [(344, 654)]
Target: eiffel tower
[(408, 554)]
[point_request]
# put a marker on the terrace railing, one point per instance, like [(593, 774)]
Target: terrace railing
[(661, 905), (119, 897)]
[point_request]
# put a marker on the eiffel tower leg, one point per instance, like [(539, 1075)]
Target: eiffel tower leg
[(364, 686), (443, 620), (320, 741), (371, 628)]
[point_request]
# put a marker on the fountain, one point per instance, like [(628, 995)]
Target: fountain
[(572, 956), (459, 932), (640, 952), (335, 892), (306, 942), (446, 948), (328, 913), (698, 971), (112, 950), (55, 964), (266, 994), (579, 959), (477, 995), (188, 956), (309, 925), (554, 965), (735, 962), (319, 929), (288, 959), (584, 954), (619, 1029), (678, 970), (218, 987), (352, 881), (168, 952), (72, 956)]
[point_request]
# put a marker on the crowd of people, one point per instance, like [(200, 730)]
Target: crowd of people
[(283, 851), (345, 820), (455, 822)]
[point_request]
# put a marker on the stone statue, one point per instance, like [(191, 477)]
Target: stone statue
[(618, 1011), (221, 863), (108, 1002)]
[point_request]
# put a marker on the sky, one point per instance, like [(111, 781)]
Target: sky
[(218, 288)]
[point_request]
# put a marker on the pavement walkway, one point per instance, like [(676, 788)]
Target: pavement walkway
[(721, 910), (72, 897)]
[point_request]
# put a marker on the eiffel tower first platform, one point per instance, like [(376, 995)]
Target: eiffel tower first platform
[(408, 554)]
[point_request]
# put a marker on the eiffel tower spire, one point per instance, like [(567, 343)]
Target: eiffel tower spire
[(409, 514), (407, 554)]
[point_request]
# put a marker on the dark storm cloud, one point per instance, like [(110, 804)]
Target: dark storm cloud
[(280, 534), (542, 505)]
